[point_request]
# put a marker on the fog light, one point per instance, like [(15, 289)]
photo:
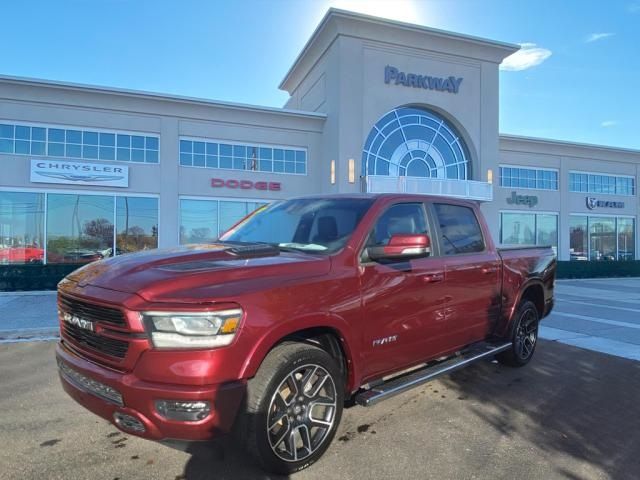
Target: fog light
[(183, 411), (129, 423)]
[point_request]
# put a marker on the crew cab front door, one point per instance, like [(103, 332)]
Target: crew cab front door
[(402, 300)]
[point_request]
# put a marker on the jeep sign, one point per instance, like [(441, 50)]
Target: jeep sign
[(529, 200)]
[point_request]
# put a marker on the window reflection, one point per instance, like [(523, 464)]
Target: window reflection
[(601, 238), (242, 157), (233, 212), (529, 229), (202, 221), (79, 228), (412, 141), (136, 224), (626, 239), (93, 145), (578, 238), (21, 227), (198, 221), (518, 229)]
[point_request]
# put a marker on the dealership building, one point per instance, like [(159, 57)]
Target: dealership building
[(375, 106)]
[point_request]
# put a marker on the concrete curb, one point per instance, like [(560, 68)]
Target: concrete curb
[(33, 293), (29, 335)]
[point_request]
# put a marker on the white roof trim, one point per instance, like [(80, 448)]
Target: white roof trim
[(566, 143), (157, 96)]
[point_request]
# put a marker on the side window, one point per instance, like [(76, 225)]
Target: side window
[(459, 229), (404, 218)]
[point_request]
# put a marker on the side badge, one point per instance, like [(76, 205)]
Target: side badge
[(378, 342)]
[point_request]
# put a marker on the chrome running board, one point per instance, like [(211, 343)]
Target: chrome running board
[(397, 385)]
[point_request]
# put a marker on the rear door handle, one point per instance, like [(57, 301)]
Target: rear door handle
[(488, 270), (433, 277)]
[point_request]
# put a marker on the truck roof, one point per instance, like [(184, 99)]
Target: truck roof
[(376, 196)]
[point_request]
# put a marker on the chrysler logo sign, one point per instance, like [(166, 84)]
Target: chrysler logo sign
[(78, 322), (74, 173)]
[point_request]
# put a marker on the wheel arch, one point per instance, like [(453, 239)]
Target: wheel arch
[(327, 332), (533, 291)]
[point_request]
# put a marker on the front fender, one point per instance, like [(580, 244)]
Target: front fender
[(284, 329)]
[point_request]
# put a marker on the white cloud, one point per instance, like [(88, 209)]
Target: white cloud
[(528, 56), (608, 123), (594, 37)]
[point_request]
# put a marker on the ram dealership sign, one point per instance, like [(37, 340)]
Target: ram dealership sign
[(593, 203), (74, 173), (449, 84)]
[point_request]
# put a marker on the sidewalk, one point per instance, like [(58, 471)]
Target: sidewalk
[(28, 315)]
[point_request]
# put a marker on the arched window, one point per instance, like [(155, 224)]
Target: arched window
[(415, 142)]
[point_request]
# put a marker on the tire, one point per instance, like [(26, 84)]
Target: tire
[(287, 432), (524, 336)]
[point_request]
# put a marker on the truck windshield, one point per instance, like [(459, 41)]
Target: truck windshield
[(319, 225)]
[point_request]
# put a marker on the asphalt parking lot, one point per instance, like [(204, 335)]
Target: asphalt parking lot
[(571, 413)]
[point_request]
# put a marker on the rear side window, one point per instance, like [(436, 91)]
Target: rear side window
[(459, 229)]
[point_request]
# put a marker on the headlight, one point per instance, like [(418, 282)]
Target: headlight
[(192, 329)]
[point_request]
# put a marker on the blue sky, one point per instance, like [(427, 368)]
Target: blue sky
[(578, 79)]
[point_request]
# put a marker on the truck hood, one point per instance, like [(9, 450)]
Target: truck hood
[(200, 273)]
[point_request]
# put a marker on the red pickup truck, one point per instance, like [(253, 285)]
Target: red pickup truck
[(301, 307)]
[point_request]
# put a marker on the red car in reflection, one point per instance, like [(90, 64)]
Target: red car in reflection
[(22, 254)]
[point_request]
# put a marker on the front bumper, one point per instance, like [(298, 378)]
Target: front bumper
[(116, 396)]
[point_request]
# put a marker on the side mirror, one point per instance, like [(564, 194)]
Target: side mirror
[(400, 247)]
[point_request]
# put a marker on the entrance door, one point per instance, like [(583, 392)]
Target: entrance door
[(403, 301)]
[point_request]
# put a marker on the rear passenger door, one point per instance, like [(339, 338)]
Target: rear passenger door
[(471, 274), (402, 300)]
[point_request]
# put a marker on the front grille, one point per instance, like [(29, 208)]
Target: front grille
[(93, 341), (94, 313)]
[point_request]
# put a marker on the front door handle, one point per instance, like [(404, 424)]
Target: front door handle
[(488, 270), (433, 277)]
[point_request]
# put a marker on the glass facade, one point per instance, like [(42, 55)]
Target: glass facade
[(78, 143), (260, 158), (136, 224), (202, 221), (601, 238), (21, 227), (528, 229), (415, 142), (604, 184), (76, 228), (534, 178), (79, 228)]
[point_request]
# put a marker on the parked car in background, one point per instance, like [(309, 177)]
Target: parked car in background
[(22, 254)]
